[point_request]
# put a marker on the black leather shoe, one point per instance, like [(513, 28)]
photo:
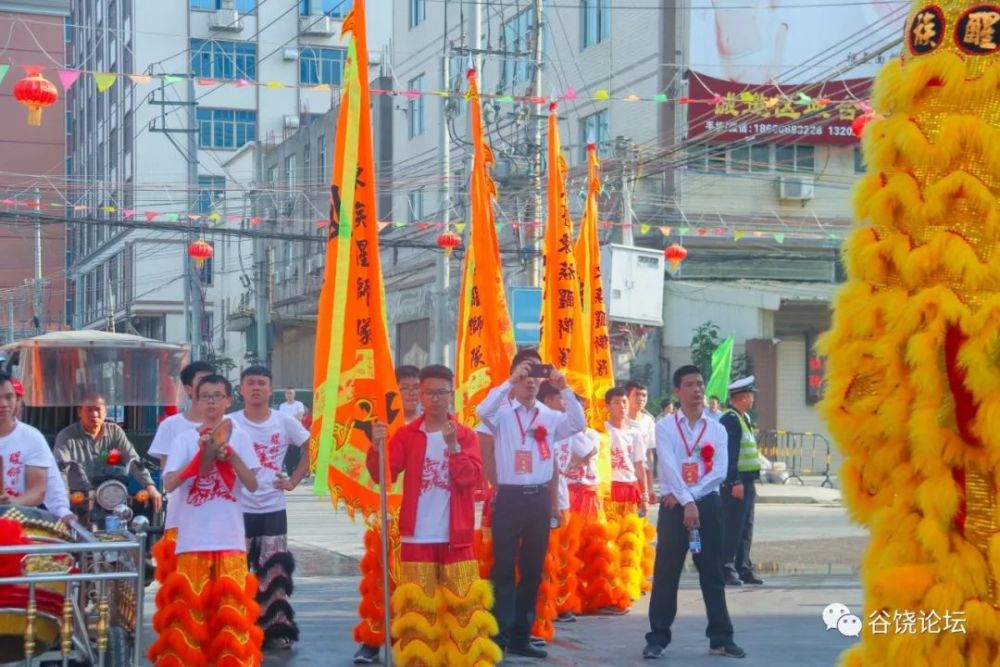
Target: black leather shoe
[(752, 579), (526, 650), (733, 580)]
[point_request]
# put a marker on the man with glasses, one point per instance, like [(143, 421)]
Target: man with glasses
[(440, 602)]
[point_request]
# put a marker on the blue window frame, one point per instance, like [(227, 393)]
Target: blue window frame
[(226, 128), (595, 127), (518, 32), (318, 65), (418, 12), (209, 189), (415, 107), (596, 22), (243, 6), (335, 8), (227, 61)]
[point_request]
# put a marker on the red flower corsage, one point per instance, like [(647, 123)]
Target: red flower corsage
[(707, 456), (113, 458), (541, 437)]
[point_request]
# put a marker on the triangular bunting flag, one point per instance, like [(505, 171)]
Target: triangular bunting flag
[(104, 80), (601, 94), (275, 84), (242, 83), (140, 79), (382, 225), (173, 217), (215, 217), (644, 229), (684, 231), (779, 237), (254, 221), (665, 231), (151, 215), (399, 224), (127, 213), (67, 77), (660, 98), (460, 227), (170, 78), (3, 71), (737, 235)]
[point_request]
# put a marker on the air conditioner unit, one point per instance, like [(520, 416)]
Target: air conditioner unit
[(290, 54), (292, 121), (317, 26), (796, 188), (227, 20)]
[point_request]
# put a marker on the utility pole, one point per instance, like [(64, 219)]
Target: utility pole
[(534, 234), (39, 317), (262, 311), (624, 146), (440, 350), (194, 305)]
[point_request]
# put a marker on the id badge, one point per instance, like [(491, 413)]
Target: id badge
[(689, 473), (522, 462)]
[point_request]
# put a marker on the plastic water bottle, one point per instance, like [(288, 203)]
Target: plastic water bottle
[(694, 541)]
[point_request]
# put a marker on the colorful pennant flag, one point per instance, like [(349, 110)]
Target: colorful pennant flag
[(67, 77), (485, 337), (3, 71), (355, 382), (104, 80)]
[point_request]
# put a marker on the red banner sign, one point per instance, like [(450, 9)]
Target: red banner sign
[(810, 114)]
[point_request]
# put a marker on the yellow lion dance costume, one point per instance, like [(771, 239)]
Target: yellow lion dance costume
[(913, 388)]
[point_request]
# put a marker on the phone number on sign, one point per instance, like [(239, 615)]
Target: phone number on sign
[(775, 128)]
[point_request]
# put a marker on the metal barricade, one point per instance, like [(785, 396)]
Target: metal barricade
[(100, 618), (803, 453)]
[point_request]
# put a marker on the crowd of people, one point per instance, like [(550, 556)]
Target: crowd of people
[(561, 533)]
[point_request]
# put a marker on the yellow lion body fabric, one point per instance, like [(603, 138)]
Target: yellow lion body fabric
[(913, 381)]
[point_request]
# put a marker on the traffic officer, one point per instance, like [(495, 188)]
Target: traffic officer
[(739, 491)]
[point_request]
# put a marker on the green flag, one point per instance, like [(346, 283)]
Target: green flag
[(722, 369)]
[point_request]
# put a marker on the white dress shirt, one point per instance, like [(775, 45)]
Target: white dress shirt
[(671, 453), (501, 419)]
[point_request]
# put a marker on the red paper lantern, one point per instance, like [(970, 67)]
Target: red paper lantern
[(448, 242), (675, 254), (200, 250), (859, 124), (35, 92)]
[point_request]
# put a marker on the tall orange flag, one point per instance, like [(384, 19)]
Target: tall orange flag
[(564, 340), (485, 333), (588, 262), (355, 382)]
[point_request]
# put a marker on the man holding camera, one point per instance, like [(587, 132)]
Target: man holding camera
[(527, 493)]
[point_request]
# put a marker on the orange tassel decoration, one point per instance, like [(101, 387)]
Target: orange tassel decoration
[(598, 582), (548, 591), (567, 597), (483, 544), (370, 630)]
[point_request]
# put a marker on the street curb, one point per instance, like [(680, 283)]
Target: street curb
[(795, 500)]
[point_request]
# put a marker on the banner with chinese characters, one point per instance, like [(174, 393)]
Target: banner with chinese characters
[(730, 111), (355, 381), (485, 338)]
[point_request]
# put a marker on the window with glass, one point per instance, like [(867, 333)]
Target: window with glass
[(415, 107), (335, 8), (795, 159), (518, 35), (859, 161), (321, 158), (755, 158), (318, 65), (243, 6), (415, 205), (211, 189), (595, 128), (596, 21), (290, 173), (223, 60), (226, 128), (418, 12)]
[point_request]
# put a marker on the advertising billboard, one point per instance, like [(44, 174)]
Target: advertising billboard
[(786, 69)]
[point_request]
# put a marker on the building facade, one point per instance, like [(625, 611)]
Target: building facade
[(230, 78), (32, 164)]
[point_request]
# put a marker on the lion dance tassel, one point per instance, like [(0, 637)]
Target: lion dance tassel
[(598, 584), (913, 381), (548, 591), (567, 597), (164, 552), (211, 616), (631, 542), (369, 630)]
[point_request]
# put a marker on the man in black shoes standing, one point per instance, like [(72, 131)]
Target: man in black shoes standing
[(693, 455)]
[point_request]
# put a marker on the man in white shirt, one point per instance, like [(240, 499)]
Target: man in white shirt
[(291, 407), (24, 452), (693, 458), (264, 511), (527, 492), (638, 397), (714, 411), (212, 468)]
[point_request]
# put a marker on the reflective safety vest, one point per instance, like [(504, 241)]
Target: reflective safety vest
[(749, 458)]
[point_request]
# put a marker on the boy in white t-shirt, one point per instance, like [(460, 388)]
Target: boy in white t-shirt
[(56, 497), (627, 504), (24, 452), (265, 518), (211, 589)]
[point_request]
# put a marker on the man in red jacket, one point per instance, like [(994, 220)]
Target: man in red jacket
[(440, 605)]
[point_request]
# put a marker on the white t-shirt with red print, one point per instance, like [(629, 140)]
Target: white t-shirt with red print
[(628, 447), (587, 473), (578, 445), (271, 440), (23, 446), (434, 504), (209, 512), (163, 442)]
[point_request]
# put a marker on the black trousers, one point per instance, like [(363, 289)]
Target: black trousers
[(520, 538), (738, 529), (671, 551)]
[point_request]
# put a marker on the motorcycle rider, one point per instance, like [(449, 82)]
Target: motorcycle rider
[(88, 443)]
